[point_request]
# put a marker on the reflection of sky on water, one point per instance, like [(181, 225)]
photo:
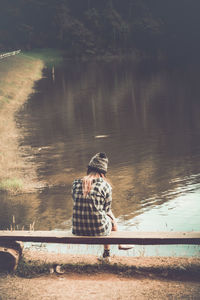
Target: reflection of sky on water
[(180, 214), (158, 250), (170, 216)]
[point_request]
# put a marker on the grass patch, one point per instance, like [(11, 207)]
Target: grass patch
[(18, 75), (51, 57), (5, 100), (19, 72), (28, 269), (11, 184)]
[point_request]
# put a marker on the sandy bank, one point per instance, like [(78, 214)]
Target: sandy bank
[(97, 287), (18, 75)]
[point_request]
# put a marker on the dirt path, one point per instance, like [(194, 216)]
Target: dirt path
[(101, 286), (85, 284)]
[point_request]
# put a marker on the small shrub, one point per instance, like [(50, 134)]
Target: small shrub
[(11, 184)]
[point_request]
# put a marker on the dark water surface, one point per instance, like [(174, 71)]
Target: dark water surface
[(145, 116)]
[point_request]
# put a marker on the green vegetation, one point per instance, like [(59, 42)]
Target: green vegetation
[(18, 74), (30, 269), (15, 74), (50, 57), (11, 184), (96, 27)]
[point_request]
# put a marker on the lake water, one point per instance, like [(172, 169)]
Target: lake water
[(145, 116)]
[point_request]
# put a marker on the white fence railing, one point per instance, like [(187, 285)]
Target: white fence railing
[(4, 55)]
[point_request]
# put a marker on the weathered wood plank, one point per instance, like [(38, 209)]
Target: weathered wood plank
[(138, 238), (10, 253)]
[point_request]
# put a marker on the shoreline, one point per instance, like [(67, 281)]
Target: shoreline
[(18, 77)]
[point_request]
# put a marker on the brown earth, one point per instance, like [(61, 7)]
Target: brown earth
[(98, 286), (144, 283)]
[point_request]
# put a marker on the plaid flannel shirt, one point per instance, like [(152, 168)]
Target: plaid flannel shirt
[(90, 213)]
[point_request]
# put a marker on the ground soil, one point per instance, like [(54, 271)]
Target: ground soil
[(102, 285)]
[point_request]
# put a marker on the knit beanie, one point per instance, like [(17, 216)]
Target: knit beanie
[(99, 162)]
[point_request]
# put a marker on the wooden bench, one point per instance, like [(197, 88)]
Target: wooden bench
[(10, 249), (116, 237)]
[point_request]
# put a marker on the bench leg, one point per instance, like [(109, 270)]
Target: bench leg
[(10, 253)]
